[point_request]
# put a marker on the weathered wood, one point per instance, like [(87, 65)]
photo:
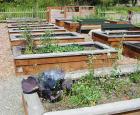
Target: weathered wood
[(61, 22), (131, 51), (69, 65), (89, 27), (136, 112), (32, 104), (113, 41), (71, 26), (68, 12), (31, 25), (69, 37), (132, 107), (54, 29), (38, 42), (117, 22), (68, 61), (25, 105)]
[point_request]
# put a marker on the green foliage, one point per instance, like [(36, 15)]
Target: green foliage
[(29, 47), (85, 92), (54, 48), (47, 38), (135, 77), (76, 18), (48, 44), (90, 90), (114, 86)]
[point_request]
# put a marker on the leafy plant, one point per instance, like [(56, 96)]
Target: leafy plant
[(135, 77), (76, 18), (29, 47), (85, 92), (56, 48), (47, 38)]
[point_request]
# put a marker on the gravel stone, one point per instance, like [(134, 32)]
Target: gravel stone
[(10, 88)]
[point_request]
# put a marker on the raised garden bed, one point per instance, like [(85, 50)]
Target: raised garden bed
[(117, 22), (110, 26), (30, 25), (37, 30), (132, 49), (121, 96), (71, 26), (17, 20), (90, 24), (69, 61), (114, 38), (61, 37), (60, 22)]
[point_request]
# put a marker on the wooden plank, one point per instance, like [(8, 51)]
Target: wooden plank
[(130, 52), (34, 66), (71, 26), (114, 42), (66, 66), (32, 104), (61, 59), (38, 42)]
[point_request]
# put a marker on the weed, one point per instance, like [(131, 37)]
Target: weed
[(135, 77), (47, 38), (85, 92), (29, 47)]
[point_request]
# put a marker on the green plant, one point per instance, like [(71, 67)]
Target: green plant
[(29, 45), (54, 48), (47, 38), (115, 72), (85, 92), (91, 64), (108, 84), (135, 77), (114, 86)]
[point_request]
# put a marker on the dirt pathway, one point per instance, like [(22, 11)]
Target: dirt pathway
[(10, 92)]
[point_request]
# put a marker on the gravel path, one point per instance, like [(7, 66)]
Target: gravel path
[(10, 91)]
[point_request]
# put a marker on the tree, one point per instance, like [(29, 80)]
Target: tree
[(134, 2)]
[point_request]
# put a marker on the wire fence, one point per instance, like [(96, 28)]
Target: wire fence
[(121, 16), (41, 13), (22, 14)]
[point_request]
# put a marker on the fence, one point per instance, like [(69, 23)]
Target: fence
[(121, 16), (22, 14), (42, 15)]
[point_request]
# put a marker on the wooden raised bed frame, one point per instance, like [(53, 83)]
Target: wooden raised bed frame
[(54, 29), (33, 106), (61, 22), (68, 61), (117, 22), (71, 26), (131, 50), (112, 26), (67, 39), (30, 25), (114, 41), (27, 20), (90, 24)]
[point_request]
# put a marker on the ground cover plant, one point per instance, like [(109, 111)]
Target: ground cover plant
[(91, 90)]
